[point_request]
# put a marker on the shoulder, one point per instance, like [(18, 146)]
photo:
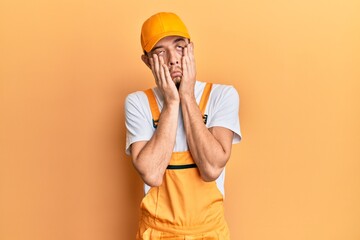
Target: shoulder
[(216, 88), (135, 97), (224, 92), (135, 100), (223, 88)]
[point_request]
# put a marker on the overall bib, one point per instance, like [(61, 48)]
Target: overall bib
[(184, 206)]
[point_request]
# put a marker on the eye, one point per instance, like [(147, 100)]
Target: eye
[(180, 47), (160, 52)]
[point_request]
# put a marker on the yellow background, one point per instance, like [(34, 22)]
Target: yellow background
[(67, 66)]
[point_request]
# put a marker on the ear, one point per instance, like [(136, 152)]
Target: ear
[(145, 59)]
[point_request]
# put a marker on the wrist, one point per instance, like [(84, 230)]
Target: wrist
[(172, 104), (187, 97)]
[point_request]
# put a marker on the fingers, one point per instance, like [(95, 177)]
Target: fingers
[(164, 80), (188, 61), (185, 63), (162, 71), (191, 51), (167, 75), (153, 62), (156, 66), (152, 66)]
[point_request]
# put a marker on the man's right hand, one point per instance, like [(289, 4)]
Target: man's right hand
[(151, 158), (163, 80)]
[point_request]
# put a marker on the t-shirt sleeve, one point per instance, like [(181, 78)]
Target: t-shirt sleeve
[(224, 110), (137, 119)]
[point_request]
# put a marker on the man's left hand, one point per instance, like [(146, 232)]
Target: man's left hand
[(188, 72)]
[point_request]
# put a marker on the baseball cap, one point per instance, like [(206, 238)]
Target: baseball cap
[(161, 25)]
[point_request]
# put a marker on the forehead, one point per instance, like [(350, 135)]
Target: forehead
[(169, 40)]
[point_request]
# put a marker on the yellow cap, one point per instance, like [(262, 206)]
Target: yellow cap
[(161, 25)]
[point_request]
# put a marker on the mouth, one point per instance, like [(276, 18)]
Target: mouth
[(176, 73)]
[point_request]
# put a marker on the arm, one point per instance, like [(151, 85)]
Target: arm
[(151, 158), (210, 148)]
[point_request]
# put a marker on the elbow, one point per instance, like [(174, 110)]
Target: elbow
[(212, 171), (211, 174), (153, 180)]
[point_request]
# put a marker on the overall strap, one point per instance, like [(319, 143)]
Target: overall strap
[(204, 99), (155, 112), (155, 108)]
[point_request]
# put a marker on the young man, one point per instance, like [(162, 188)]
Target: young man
[(180, 135)]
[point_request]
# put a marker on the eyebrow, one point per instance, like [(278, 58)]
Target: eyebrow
[(179, 40), (175, 41)]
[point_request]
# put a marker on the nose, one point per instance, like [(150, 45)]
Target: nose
[(176, 62), (173, 58)]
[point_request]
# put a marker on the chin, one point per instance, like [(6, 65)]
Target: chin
[(177, 80)]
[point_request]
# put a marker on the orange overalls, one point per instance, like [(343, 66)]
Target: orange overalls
[(184, 206)]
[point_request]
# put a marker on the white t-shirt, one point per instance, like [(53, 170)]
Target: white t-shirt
[(222, 110)]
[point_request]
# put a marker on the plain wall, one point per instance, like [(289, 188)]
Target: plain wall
[(67, 66)]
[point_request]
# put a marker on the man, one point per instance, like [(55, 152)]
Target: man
[(180, 135)]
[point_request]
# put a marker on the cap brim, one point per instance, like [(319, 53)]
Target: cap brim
[(158, 37)]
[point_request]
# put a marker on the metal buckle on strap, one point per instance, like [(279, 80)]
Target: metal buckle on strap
[(155, 123), (205, 117)]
